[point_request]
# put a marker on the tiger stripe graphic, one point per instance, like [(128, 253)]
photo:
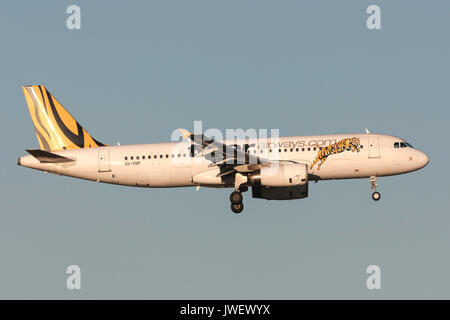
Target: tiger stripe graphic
[(56, 129), (348, 144)]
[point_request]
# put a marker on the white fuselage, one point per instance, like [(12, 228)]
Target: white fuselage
[(171, 165)]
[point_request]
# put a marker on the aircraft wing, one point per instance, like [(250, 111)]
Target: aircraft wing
[(230, 158)]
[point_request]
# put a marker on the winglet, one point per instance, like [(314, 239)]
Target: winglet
[(185, 133)]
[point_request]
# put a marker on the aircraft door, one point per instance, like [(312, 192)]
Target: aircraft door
[(103, 160), (374, 147)]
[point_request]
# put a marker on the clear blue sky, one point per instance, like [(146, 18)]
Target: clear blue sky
[(137, 70)]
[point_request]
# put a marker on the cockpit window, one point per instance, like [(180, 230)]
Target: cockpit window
[(402, 144)]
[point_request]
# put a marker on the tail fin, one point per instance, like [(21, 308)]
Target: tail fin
[(55, 128)]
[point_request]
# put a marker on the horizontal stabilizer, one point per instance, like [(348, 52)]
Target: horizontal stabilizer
[(48, 157)]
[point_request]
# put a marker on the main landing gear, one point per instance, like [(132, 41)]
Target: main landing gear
[(236, 196), (373, 185), (236, 202)]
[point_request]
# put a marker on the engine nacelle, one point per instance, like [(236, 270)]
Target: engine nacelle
[(280, 193), (289, 175)]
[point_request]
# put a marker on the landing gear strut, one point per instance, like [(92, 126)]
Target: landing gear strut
[(373, 185), (236, 202)]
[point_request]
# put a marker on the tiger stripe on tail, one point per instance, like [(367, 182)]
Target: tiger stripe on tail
[(56, 129)]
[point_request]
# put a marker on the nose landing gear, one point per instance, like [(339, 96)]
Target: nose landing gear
[(373, 185), (236, 202), (376, 196)]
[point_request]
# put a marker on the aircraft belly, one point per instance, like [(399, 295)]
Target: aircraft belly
[(180, 176)]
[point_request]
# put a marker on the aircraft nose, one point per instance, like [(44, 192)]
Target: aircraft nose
[(422, 159)]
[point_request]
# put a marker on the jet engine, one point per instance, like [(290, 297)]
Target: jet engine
[(281, 182)]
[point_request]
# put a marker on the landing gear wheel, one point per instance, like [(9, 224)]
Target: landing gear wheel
[(376, 196), (236, 197), (237, 208), (373, 185)]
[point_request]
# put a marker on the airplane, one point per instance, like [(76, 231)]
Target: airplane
[(274, 168)]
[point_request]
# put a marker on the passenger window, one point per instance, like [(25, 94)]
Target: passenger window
[(126, 158), (131, 158), (309, 149), (296, 149), (303, 149), (155, 156), (161, 156), (167, 156)]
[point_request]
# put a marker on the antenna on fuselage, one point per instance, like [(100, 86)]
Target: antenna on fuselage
[(367, 131)]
